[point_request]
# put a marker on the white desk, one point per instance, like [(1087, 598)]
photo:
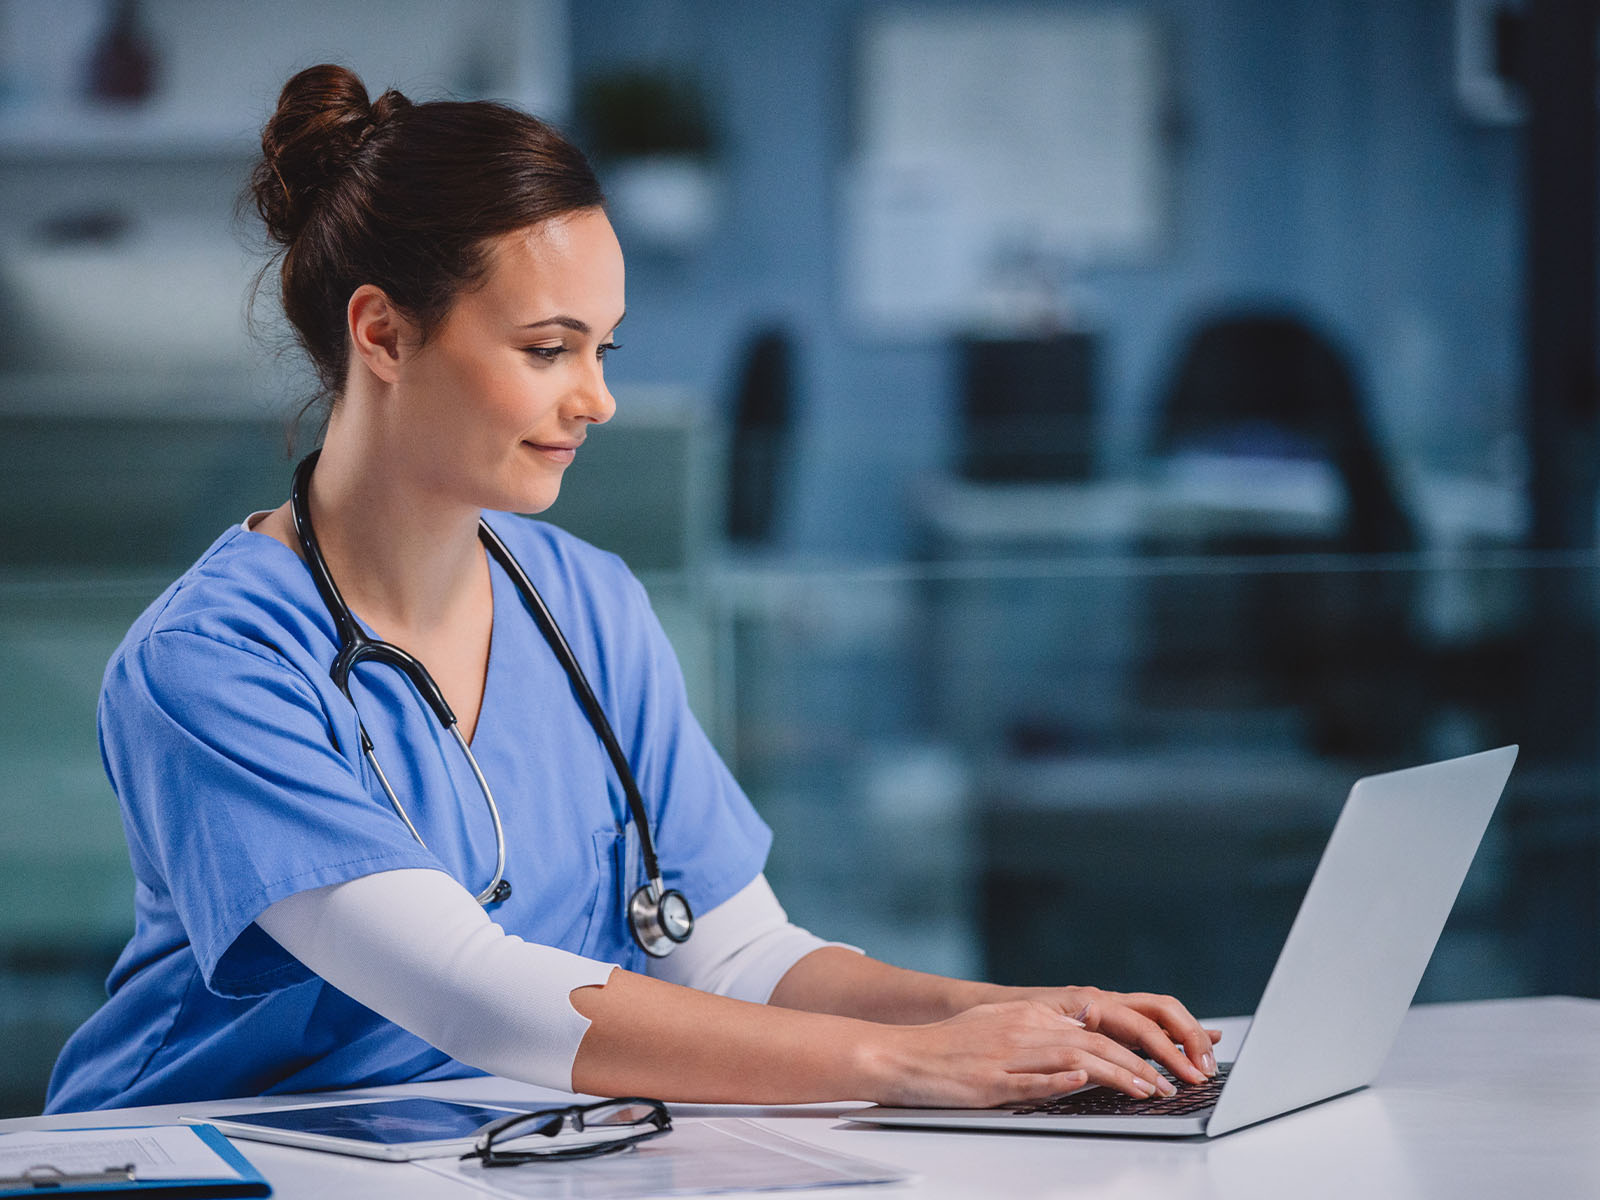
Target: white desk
[(1491, 1099)]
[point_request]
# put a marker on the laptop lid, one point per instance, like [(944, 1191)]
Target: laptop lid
[(1349, 968), (1363, 936)]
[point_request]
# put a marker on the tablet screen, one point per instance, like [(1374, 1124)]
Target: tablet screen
[(385, 1122)]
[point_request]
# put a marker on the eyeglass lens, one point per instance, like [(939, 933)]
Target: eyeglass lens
[(622, 1112), (600, 1128)]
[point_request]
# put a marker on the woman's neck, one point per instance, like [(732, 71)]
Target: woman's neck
[(407, 558)]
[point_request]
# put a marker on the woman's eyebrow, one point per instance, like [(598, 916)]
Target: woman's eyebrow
[(572, 323)]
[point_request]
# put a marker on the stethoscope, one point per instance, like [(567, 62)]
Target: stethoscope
[(659, 918)]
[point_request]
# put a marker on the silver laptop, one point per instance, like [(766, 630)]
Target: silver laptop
[(1343, 981)]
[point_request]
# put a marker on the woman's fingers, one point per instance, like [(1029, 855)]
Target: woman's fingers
[(1162, 1028), (1039, 1052), (1021, 1089), (1029, 1049), (1102, 1060), (1107, 1060), (1114, 1065), (1107, 1037)]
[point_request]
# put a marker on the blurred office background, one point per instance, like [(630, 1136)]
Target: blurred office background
[(1067, 443)]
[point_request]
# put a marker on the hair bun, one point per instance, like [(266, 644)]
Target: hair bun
[(322, 120)]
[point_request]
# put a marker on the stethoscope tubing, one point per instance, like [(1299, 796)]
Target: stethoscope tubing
[(355, 646), (586, 697)]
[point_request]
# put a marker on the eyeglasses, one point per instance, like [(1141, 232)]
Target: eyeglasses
[(617, 1125)]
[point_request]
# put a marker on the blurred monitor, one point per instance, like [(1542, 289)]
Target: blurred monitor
[(1027, 407)]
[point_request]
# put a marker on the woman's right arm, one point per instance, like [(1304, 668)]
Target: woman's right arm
[(416, 948)]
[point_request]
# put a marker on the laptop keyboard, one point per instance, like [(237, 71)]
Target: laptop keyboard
[(1103, 1102)]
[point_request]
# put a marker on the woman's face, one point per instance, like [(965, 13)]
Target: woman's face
[(506, 388)]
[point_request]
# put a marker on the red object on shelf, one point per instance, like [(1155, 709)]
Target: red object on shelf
[(122, 68)]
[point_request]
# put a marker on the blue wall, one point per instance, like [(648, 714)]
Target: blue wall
[(1322, 160)]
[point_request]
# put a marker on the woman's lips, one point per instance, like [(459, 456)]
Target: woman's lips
[(560, 454)]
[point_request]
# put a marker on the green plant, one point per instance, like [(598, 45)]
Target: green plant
[(641, 112)]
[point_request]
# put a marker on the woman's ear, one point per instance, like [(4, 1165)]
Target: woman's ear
[(379, 333)]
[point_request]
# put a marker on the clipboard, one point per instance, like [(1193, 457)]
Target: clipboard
[(233, 1176)]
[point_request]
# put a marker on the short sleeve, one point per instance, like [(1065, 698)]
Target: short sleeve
[(238, 791), (710, 841)]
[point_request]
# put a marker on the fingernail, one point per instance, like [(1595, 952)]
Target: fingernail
[(1144, 1087), (1081, 1015), (1167, 1088), (1208, 1064)]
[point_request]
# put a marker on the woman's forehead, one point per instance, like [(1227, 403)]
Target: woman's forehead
[(569, 265)]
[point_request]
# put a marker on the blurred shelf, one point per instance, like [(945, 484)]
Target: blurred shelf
[(84, 133), (221, 67), (201, 392)]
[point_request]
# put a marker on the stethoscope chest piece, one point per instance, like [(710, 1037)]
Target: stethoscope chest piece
[(660, 920)]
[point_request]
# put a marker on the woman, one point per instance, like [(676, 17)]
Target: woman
[(450, 271)]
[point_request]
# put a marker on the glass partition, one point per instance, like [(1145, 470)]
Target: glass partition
[(1107, 769), (1123, 770)]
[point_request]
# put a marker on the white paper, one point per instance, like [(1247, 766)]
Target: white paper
[(699, 1157), (156, 1152)]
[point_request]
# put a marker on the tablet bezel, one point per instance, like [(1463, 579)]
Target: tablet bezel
[(230, 1124)]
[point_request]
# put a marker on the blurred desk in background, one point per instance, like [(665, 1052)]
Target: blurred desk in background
[(1199, 496), (1149, 619)]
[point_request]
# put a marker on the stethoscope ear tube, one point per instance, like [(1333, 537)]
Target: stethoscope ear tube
[(660, 919), (354, 644), (350, 634), (586, 697)]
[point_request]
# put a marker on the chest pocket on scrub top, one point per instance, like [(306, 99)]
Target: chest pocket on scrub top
[(621, 873)]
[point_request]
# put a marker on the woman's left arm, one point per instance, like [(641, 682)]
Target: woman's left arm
[(839, 981)]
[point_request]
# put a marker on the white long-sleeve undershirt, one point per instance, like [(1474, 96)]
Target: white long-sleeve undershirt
[(416, 948), (741, 948)]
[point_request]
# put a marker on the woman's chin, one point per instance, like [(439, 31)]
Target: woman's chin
[(514, 487), (530, 501)]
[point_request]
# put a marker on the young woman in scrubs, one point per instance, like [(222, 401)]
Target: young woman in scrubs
[(450, 271)]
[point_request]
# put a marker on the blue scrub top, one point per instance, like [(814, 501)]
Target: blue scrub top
[(240, 775)]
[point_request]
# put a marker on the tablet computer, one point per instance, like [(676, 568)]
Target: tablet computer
[(393, 1127)]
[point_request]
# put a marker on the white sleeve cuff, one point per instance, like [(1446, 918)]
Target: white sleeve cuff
[(741, 948), (415, 947)]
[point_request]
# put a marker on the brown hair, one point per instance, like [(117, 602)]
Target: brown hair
[(399, 195)]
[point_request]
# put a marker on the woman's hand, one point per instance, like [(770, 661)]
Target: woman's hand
[(1013, 1051), (1157, 1026), (1105, 1035)]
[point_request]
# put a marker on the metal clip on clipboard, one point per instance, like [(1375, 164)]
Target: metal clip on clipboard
[(46, 1177)]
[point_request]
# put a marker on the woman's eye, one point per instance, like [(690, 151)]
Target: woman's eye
[(547, 353), (606, 348)]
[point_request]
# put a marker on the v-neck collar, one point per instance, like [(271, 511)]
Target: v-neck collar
[(498, 582), (499, 603)]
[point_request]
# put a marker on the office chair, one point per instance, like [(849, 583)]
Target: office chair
[(1337, 646), (1270, 382)]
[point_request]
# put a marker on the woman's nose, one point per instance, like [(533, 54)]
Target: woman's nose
[(594, 401)]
